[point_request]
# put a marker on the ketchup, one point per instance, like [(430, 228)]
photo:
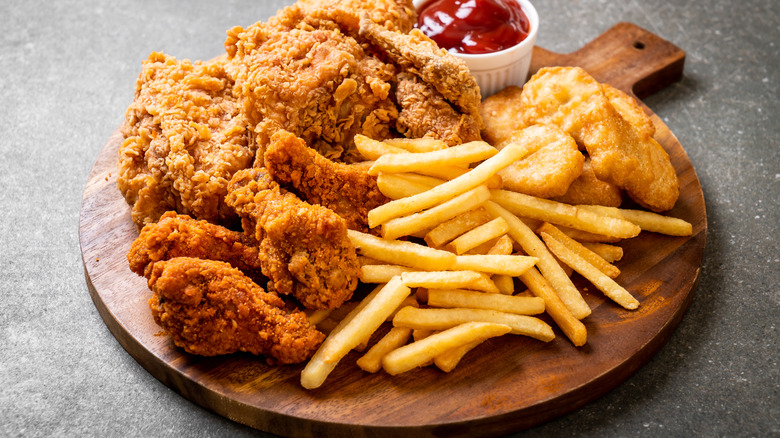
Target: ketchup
[(474, 26)]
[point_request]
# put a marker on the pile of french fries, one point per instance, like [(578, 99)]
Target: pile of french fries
[(452, 244)]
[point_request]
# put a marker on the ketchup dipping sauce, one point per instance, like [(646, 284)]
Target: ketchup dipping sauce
[(474, 26)]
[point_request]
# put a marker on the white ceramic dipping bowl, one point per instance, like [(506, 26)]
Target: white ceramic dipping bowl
[(495, 71)]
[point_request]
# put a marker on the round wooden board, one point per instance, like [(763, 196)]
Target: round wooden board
[(504, 385)]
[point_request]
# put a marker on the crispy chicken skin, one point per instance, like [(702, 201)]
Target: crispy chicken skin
[(184, 139), (346, 189), (304, 249), (425, 113), (210, 308), (301, 73), (398, 15), (176, 235)]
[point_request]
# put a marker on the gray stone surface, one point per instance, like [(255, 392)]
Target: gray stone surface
[(67, 72)]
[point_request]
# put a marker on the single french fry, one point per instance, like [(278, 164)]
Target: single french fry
[(417, 144), (610, 253), (440, 279), (448, 190), (452, 228), (317, 316), (591, 257), (412, 355), (399, 252), (381, 273), (583, 236), (484, 284), (442, 319), (504, 283), (373, 149), (511, 265), (503, 246), (572, 327), (404, 226), (479, 235), (401, 185), (546, 263), (372, 360), (448, 360), (462, 154), (356, 327), (479, 300), (646, 220), (563, 214), (408, 301), (605, 284)]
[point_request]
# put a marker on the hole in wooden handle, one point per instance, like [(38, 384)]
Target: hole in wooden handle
[(639, 45)]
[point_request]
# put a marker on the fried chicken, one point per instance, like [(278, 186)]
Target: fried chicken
[(184, 139), (210, 308), (304, 248), (398, 15), (346, 189), (589, 190), (301, 73), (176, 235), (620, 153), (502, 115)]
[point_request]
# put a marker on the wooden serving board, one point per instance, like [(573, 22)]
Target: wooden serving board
[(505, 385)]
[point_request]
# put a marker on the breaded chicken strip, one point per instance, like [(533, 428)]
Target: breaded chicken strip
[(184, 139), (571, 99), (210, 308), (346, 189), (177, 235), (304, 248)]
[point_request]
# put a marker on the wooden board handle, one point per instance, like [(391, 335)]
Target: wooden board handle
[(625, 56)]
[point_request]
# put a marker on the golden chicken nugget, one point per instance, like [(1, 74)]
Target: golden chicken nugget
[(501, 114), (629, 109), (589, 190)]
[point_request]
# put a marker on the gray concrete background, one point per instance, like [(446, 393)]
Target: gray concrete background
[(67, 72)]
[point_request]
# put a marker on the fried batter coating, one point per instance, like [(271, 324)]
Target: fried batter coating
[(553, 162), (398, 15), (502, 115), (569, 98), (301, 73), (346, 189), (176, 235), (304, 249), (184, 139), (589, 190), (425, 113), (210, 308), (630, 110)]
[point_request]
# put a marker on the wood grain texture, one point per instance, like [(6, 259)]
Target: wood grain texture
[(504, 385)]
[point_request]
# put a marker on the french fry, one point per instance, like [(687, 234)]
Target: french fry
[(484, 284), (354, 329), (591, 257), (408, 301), (546, 263), (317, 316), (413, 355), (503, 246), (372, 149), (479, 235), (572, 327), (452, 228), (605, 284), (399, 252), (417, 144), (610, 253), (402, 185), (511, 265), (462, 155), (442, 319), (448, 360), (479, 300), (646, 220), (563, 214), (504, 283), (381, 273), (404, 226), (440, 279), (583, 236), (448, 190), (372, 360)]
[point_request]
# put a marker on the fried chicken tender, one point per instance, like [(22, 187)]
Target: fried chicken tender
[(415, 53), (184, 139), (301, 73), (571, 99), (589, 190), (347, 189), (210, 308), (426, 114), (553, 163), (502, 114), (176, 235), (304, 249)]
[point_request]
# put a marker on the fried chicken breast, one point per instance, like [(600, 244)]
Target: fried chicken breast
[(210, 308), (304, 249), (346, 189), (184, 139)]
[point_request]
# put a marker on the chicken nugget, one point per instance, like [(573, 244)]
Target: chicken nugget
[(589, 190), (502, 115), (629, 109)]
